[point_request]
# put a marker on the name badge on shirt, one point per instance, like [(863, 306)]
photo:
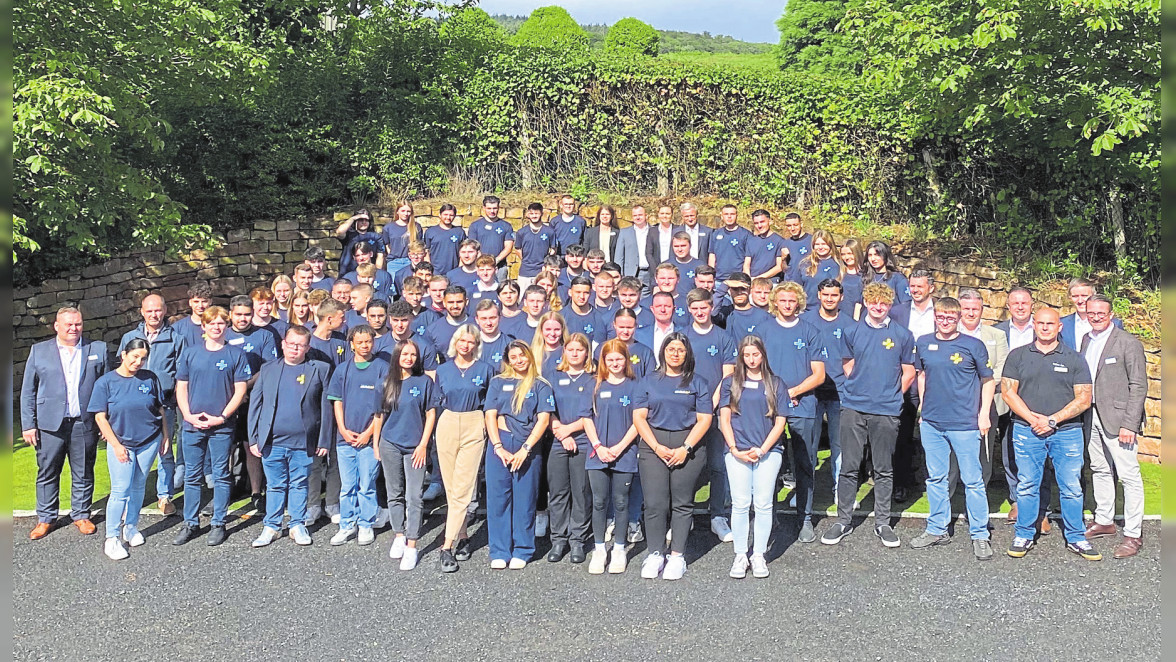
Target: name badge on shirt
[(932, 347), (94, 357), (606, 394), (368, 387), (683, 392), (1061, 368), (564, 382), (1107, 362), (507, 388), (236, 341), (750, 384), (990, 342)]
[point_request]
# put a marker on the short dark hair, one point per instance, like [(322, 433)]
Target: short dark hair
[(241, 300), (423, 266), (576, 250), (360, 329), (314, 253), (830, 282), (1103, 298), (535, 206), (580, 280), (362, 247), (456, 289), (705, 270), (400, 309), (200, 290), (298, 330), (377, 303), (762, 212), (791, 214), (920, 273), (490, 200)]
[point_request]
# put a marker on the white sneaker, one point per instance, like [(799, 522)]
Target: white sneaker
[(114, 549), (517, 564), (792, 500), (433, 491), (675, 567), (398, 547), (608, 530), (342, 537), (739, 567), (333, 513), (635, 534), (540, 523), (208, 482), (722, 529), (652, 566), (313, 513), (498, 564), (132, 536), (300, 535), (596, 563), (759, 566), (409, 560), (382, 518), (366, 535), (619, 560), (268, 535)]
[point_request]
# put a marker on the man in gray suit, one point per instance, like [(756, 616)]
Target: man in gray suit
[(1119, 368), (58, 380), (636, 249)]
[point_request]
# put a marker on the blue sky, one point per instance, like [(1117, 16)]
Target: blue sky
[(748, 20)]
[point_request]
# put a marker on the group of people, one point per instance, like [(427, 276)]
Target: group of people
[(591, 396)]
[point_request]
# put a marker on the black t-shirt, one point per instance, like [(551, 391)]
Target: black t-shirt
[(1046, 381)]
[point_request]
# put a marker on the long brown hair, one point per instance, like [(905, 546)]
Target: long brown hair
[(740, 375), (811, 264), (614, 346), (414, 230), (584, 342), (526, 380)]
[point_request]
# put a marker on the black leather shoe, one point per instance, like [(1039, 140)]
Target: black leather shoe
[(578, 553), (258, 502), (558, 551), (217, 536), (448, 563), (185, 534), (461, 551)]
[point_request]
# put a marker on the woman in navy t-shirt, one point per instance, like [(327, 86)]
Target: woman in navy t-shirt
[(404, 425), (881, 269), (396, 237), (569, 504), (823, 262), (854, 260), (672, 426), (519, 404), (752, 406), (128, 407), (548, 343), (613, 460)]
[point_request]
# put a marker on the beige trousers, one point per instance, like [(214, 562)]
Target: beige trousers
[(461, 444)]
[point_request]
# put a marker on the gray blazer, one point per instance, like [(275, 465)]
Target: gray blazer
[(1120, 382), (43, 391)]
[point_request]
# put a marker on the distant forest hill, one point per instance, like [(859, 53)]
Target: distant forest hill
[(671, 41)]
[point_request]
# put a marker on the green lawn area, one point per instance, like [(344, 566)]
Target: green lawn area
[(753, 61)]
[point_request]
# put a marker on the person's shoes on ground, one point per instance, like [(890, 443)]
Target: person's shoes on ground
[(41, 530), (267, 536), (185, 534), (85, 526), (342, 537), (1128, 547), (1100, 531), (982, 549), (722, 529), (927, 539), (675, 567), (300, 535), (409, 560), (739, 567), (807, 533), (114, 549), (759, 566), (1084, 549), (1020, 547), (217, 535), (652, 566), (835, 533)]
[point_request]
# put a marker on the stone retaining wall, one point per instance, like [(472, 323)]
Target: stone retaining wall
[(108, 293)]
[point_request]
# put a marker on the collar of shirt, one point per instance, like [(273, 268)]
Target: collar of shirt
[(885, 322), (975, 333)]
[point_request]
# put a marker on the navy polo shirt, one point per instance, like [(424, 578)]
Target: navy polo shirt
[(676, 403), (210, 377), (591, 324), (952, 370), (404, 426), (764, 251), (442, 245), (832, 335), (491, 234), (464, 390), (749, 322), (361, 390), (798, 250), (573, 401), (875, 385), (751, 424), (712, 350), (533, 245), (288, 429), (568, 232), (1047, 381), (133, 406), (791, 351), (614, 407), (729, 247), (519, 424)]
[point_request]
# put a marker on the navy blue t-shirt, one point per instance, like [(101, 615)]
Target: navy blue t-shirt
[(568, 232), (851, 294), (640, 357), (464, 390), (952, 372), (832, 336), (478, 295), (897, 282), (491, 234), (361, 390), (592, 324), (729, 248), (210, 377), (614, 407), (827, 268), (791, 351), (875, 385), (798, 250), (712, 351), (751, 424), (518, 328), (550, 361), (423, 319), (686, 272), (764, 251), (749, 322), (133, 406), (326, 284), (383, 285), (404, 426), (442, 245), (440, 333), (347, 258), (573, 401), (288, 430), (191, 332), (332, 351), (260, 344), (533, 245), (676, 404), (466, 279), (494, 351), (396, 239), (519, 424)]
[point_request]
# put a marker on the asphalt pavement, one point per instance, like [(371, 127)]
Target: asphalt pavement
[(857, 600)]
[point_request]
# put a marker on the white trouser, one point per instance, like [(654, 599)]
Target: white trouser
[(1108, 457)]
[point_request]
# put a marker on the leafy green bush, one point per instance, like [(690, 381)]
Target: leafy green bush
[(632, 36), (811, 41), (551, 27)]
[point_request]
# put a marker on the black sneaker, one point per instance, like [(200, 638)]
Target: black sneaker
[(835, 533), (900, 494), (887, 535), (461, 551), (578, 554), (258, 502), (448, 563), (1085, 550), (185, 534), (1020, 547), (217, 535)]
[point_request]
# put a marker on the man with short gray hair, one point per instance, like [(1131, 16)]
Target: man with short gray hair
[(699, 234)]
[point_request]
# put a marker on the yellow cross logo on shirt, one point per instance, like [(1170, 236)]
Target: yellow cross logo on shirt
[(888, 343), (339, 350), (302, 378), (635, 359), (956, 358)]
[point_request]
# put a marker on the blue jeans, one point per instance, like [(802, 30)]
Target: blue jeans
[(938, 445), (358, 470), (287, 473), (830, 410), (214, 444), (128, 483), (752, 483), (395, 264), (510, 504), (803, 441), (165, 476), (1065, 448)]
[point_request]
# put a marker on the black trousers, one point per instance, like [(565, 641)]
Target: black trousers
[(879, 433), (669, 491), (608, 486), (906, 451), (569, 501)]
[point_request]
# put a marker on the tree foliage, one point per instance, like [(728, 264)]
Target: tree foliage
[(631, 36), (811, 40), (551, 27)]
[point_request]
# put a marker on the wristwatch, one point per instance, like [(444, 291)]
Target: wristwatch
[(1053, 424)]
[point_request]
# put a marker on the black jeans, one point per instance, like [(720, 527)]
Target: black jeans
[(669, 491), (857, 431), (608, 485), (568, 499), (905, 449)]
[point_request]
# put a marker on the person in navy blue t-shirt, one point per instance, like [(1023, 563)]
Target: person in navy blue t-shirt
[(752, 406), (568, 225), (127, 404), (358, 228), (465, 273), (535, 241), (817, 266), (439, 332), (580, 316), (396, 238), (519, 404), (495, 235), (443, 239), (191, 328), (547, 346), (260, 345), (211, 380), (728, 245), (765, 249), (740, 318), (485, 288), (879, 367), (494, 341), (831, 322), (404, 424), (680, 258), (641, 357), (797, 245), (573, 268), (880, 268), (569, 503)]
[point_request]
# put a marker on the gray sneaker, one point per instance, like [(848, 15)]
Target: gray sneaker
[(807, 534), (887, 535), (982, 549), (926, 539), (835, 533)]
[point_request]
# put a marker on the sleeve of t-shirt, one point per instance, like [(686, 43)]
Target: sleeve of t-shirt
[(847, 340), (725, 393), (509, 235), (269, 347), (100, 397), (545, 397), (908, 350), (1012, 366), (432, 394), (335, 386), (493, 394), (782, 399), (702, 398), (816, 345), (182, 365), (983, 362), (917, 359), (1081, 371), (241, 370), (730, 351)]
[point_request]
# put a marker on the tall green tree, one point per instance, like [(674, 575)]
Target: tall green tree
[(812, 41), (551, 27), (632, 36)]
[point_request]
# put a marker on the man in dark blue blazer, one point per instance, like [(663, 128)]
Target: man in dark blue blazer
[(700, 235), (58, 380), (290, 422), (1075, 327)]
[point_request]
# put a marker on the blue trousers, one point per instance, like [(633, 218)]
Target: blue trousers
[(214, 444), (1065, 448), (938, 445), (287, 473), (77, 440), (358, 471), (128, 483), (510, 503)]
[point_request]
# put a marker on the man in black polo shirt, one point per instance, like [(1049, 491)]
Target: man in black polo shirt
[(1047, 386)]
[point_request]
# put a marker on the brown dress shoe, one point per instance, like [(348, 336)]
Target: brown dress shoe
[(1100, 530), (1012, 515), (1045, 526), (40, 530), (166, 506), (1128, 547), (85, 526)]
